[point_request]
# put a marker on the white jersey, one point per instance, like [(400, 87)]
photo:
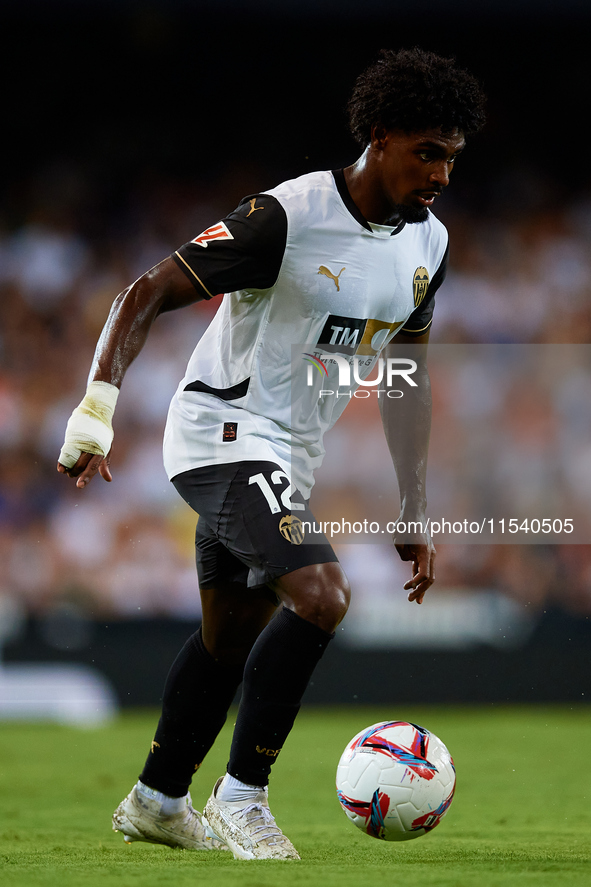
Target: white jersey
[(305, 275)]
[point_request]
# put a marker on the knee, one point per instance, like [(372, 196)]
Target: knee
[(331, 606), (327, 608), (319, 594)]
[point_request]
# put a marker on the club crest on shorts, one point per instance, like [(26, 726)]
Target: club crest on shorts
[(292, 529), (420, 285)]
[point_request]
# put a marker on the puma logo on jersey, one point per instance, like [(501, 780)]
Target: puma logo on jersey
[(253, 208), (154, 745), (328, 273), (216, 232)]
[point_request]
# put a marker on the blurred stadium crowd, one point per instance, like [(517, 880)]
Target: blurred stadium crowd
[(125, 549)]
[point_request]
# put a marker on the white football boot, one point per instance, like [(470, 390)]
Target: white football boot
[(250, 831), (140, 819)]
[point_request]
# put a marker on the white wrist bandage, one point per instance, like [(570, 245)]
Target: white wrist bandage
[(89, 428)]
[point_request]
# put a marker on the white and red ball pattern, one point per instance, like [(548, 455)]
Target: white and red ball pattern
[(395, 780)]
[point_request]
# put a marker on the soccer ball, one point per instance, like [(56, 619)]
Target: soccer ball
[(395, 781)]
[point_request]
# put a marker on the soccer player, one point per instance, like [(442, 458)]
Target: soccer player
[(335, 263)]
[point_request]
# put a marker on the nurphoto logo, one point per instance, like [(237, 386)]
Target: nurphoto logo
[(388, 370)]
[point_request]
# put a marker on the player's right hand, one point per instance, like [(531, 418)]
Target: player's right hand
[(89, 435), (86, 467)]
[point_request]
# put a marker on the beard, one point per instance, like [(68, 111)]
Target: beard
[(412, 215)]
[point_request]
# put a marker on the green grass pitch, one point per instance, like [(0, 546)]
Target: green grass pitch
[(521, 814)]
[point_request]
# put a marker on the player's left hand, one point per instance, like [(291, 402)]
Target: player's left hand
[(422, 554)]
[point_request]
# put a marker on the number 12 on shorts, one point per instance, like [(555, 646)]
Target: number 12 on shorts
[(272, 501)]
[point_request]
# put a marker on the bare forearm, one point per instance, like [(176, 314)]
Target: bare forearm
[(163, 288), (407, 426)]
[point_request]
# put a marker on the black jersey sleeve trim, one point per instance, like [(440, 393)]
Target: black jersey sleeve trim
[(421, 318), (191, 275), (415, 332), (242, 252), (232, 393)]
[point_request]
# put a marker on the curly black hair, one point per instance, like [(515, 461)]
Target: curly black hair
[(414, 90)]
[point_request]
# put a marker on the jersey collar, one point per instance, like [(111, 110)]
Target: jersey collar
[(339, 177)]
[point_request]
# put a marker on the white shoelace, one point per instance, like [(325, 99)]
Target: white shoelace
[(269, 824)]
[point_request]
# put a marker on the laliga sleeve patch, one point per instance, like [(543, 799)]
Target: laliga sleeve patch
[(215, 232)]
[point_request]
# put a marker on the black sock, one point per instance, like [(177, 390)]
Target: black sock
[(197, 695), (276, 675)]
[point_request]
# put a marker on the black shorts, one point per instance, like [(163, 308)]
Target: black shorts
[(253, 526)]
